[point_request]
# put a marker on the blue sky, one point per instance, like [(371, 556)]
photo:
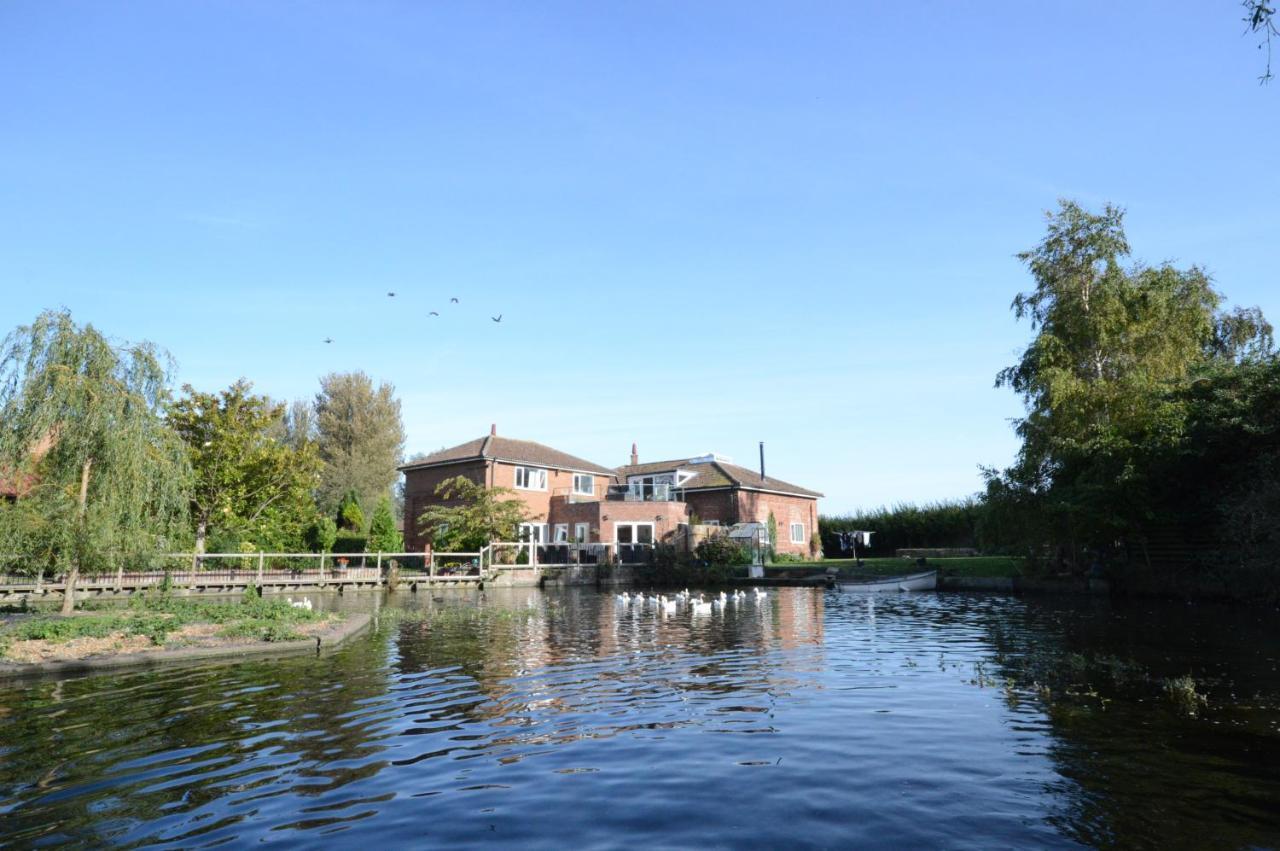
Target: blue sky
[(704, 224)]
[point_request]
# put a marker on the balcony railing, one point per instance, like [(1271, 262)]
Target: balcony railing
[(642, 492)]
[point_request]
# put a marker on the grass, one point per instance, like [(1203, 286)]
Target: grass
[(157, 617), (986, 566)]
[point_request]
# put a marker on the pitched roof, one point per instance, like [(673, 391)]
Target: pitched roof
[(718, 474), (495, 448)]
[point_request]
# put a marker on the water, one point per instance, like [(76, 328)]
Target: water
[(818, 719)]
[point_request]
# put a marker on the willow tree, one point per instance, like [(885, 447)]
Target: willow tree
[(81, 424)]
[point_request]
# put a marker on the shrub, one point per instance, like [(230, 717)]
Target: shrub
[(349, 542), (321, 534), (720, 550), (350, 514)]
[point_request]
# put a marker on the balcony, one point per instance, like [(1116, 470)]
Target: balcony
[(644, 492)]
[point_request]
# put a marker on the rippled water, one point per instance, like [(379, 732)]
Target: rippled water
[(815, 719)]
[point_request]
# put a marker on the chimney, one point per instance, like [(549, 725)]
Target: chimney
[(762, 460), (493, 430), (635, 456)]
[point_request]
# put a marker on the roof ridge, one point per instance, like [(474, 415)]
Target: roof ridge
[(715, 463), (484, 444)]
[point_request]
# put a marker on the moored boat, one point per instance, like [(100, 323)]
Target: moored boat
[(925, 581)]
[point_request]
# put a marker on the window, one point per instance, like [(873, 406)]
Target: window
[(562, 533), (535, 532), (584, 484), (531, 478), (580, 532), (797, 533)]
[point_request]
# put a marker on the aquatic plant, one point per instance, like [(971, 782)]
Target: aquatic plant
[(1183, 694)]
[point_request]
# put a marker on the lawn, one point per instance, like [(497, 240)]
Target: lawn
[(1001, 566)]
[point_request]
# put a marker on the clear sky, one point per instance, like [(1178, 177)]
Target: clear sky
[(704, 224)]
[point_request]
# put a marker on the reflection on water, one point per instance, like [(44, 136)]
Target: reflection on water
[(815, 718)]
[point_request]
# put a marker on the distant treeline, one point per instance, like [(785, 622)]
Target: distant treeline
[(953, 523)]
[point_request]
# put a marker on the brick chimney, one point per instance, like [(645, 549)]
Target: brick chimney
[(635, 456), (493, 430)]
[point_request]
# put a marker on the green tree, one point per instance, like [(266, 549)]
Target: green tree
[(360, 438), (384, 537), (472, 517), (1112, 345), (321, 535), (250, 483), (113, 483), (350, 517)]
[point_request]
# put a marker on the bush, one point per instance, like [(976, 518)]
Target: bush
[(349, 542), (321, 534), (350, 514), (721, 550)]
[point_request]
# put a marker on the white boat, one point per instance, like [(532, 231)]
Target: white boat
[(926, 581)]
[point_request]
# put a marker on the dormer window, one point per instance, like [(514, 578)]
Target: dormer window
[(531, 478), (584, 484)]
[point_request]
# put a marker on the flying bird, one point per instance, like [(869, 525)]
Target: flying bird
[(434, 313), (497, 318), (454, 300), (328, 339), (391, 295)]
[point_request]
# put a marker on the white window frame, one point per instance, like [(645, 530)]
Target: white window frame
[(542, 471), (635, 532), (561, 534), (581, 532), (533, 533), (591, 484), (797, 525)]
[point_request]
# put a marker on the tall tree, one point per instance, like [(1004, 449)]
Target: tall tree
[(113, 483), (1112, 345), (249, 482), (359, 436)]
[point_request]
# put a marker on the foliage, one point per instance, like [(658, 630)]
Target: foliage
[(350, 514), (1259, 17), (472, 517), (251, 486), (359, 437), (321, 535), (722, 550), (773, 537), (1148, 409), (953, 523), (350, 542), (106, 479), (384, 537)]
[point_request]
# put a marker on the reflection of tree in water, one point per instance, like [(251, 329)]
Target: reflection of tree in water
[(1143, 773), (161, 738)]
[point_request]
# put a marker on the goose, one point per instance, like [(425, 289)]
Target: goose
[(299, 604), (701, 607), (623, 598), (760, 595), (668, 606)]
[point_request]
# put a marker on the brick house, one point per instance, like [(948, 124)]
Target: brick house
[(572, 500)]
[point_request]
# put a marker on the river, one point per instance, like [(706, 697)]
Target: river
[(810, 719)]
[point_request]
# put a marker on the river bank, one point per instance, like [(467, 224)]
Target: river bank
[(160, 629)]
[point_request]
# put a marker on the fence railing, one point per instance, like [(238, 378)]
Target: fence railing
[(282, 568)]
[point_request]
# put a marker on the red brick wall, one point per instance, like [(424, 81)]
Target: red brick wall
[(714, 505), (666, 517), (754, 506), (420, 487)]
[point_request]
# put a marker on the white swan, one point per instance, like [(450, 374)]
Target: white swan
[(701, 607)]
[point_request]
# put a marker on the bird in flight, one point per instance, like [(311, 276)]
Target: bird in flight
[(328, 339), (434, 313), (391, 295), (497, 318), (454, 300)]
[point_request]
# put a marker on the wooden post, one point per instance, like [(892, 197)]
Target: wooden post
[(119, 578), (261, 559)]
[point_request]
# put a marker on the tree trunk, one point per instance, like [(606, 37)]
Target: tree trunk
[(69, 592), (202, 532)]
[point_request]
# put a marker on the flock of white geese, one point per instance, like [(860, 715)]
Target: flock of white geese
[(698, 605)]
